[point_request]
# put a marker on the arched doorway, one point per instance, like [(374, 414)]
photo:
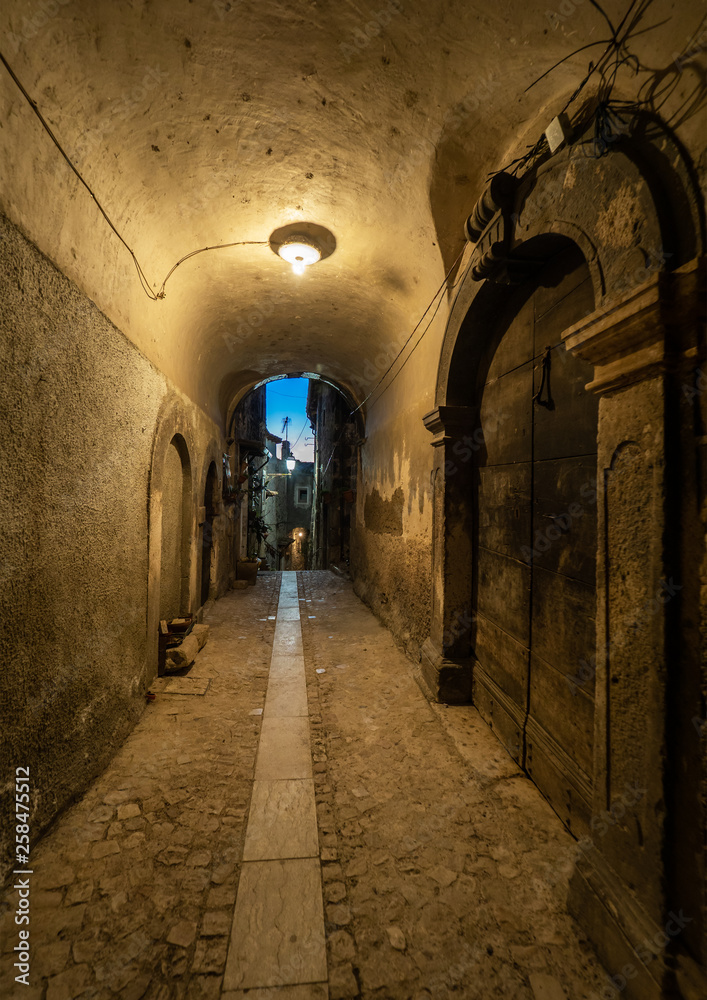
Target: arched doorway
[(207, 531), (534, 534), (176, 510)]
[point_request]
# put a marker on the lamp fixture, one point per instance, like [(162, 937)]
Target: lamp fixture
[(302, 244), (290, 463), (301, 253)]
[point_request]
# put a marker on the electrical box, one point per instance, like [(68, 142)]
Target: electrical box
[(558, 132)]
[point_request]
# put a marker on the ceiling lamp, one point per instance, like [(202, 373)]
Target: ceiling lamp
[(300, 252), (302, 244)]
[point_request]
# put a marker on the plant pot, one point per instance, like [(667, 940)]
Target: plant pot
[(247, 569)]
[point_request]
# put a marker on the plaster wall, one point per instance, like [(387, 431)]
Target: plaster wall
[(391, 546), (80, 407)]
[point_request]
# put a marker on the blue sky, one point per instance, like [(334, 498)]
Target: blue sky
[(288, 398)]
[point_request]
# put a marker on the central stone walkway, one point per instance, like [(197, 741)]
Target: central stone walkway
[(278, 927), (193, 868)]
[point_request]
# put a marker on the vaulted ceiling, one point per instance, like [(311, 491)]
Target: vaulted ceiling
[(207, 122)]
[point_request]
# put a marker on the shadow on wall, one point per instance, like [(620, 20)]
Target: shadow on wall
[(384, 517), (391, 575)]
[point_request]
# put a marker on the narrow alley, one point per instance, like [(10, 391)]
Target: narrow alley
[(353, 499), (440, 869)]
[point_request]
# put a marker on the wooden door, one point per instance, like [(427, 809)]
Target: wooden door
[(535, 544)]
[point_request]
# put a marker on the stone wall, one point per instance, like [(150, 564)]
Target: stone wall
[(80, 409), (391, 526)]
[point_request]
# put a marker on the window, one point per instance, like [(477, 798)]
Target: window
[(303, 494)]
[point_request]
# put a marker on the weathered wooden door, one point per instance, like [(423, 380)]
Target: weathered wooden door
[(535, 539)]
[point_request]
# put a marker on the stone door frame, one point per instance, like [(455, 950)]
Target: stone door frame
[(646, 343)]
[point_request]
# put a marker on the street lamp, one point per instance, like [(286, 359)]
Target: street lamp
[(290, 463)]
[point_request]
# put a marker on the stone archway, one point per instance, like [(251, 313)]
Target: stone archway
[(644, 347), (171, 451), (176, 533)]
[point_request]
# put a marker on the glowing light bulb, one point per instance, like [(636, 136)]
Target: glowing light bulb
[(300, 255)]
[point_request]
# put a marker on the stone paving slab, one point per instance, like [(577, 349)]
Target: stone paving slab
[(181, 685), (288, 638), (282, 822), (284, 749), (287, 696), (288, 614), (277, 928), (287, 665)]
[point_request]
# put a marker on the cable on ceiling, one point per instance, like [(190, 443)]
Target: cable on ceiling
[(155, 296), (608, 122), (417, 326), (416, 345)]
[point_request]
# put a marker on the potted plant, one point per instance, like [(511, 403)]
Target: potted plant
[(257, 527), (247, 569)]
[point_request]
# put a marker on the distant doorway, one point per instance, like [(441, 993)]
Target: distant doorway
[(207, 532)]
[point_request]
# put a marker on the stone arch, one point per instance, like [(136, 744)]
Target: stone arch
[(176, 530), (640, 226), (619, 212), (353, 397), (560, 198), (173, 431)]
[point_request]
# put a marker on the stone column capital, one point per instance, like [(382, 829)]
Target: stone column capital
[(645, 332), (448, 423)]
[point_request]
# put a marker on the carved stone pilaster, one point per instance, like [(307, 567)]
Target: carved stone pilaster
[(638, 346), (446, 665)]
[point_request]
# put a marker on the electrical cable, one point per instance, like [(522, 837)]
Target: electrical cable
[(288, 395), (390, 366), (155, 296), (607, 66), (414, 348), (306, 421), (418, 324)]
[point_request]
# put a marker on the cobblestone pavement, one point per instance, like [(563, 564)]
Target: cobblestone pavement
[(447, 873), (444, 870), (134, 888)]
